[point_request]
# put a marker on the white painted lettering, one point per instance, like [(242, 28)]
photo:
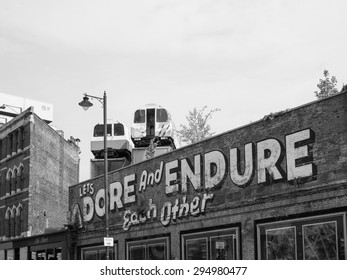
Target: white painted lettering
[(158, 173), (100, 209), (268, 153), (129, 189), (165, 216), (143, 181), (295, 153), (215, 169), (193, 176), (116, 191), (235, 168), (171, 177), (88, 208)]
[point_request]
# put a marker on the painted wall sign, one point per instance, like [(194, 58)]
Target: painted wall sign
[(204, 174)]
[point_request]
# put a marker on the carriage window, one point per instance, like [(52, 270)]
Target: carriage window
[(118, 129), (99, 130), (161, 115), (139, 116)]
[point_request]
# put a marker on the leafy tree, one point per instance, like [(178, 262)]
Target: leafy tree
[(326, 86), (198, 127)]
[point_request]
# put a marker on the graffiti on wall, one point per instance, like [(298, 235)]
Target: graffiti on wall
[(203, 175)]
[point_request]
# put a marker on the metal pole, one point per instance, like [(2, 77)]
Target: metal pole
[(105, 173)]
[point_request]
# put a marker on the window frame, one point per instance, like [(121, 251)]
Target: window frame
[(210, 234), (146, 243), (142, 119), (159, 113), (114, 129), (339, 218), (99, 248)]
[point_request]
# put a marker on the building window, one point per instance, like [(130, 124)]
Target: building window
[(9, 144), (148, 249), (1, 153), (46, 254), (20, 178), (20, 139), (14, 181), (312, 238), (220, 244), (9, 182), (98, 253)]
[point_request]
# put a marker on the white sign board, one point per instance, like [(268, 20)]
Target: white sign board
[(108, 241)]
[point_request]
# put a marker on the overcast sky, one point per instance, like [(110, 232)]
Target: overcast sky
[(248, 58)]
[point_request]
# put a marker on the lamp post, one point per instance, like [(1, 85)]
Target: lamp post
[(86, 104)]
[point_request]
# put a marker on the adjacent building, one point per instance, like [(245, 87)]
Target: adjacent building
[(37, 165), (273, 189)]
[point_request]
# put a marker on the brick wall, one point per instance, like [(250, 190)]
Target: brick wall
[(54, 166), (309, 175)]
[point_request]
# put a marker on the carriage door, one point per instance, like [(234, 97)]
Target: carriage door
[(150, 122)]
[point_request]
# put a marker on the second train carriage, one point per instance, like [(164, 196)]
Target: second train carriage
[(153, 121), (119, 144)]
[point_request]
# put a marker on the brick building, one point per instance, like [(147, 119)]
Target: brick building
[(273, 189), (36, 167)]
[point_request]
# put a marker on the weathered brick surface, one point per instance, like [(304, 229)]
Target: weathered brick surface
[(325, 190), (50, 165), (54, 166)]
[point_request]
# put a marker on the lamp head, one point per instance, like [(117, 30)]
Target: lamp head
[(3, 106), (85, 103)]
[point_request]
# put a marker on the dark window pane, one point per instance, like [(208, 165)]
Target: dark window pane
[(99, 130), (222, 248), (138, 253), (196, 249), (90, 255), (139, 116), (97, 253), (320, 241), (118, 129), (156, 252), (162, 115), (281, 244)]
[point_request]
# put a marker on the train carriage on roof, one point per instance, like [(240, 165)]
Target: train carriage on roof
[(119, 144), (153, 121)]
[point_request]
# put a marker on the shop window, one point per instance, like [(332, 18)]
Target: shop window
[(220, 244), (46, 254), (148, 249), (312, 238), (97, 253)]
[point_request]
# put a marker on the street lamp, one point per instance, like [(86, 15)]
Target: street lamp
[(86, 104)]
